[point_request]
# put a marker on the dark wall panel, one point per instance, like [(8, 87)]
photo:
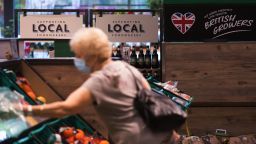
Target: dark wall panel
[(213, 72)]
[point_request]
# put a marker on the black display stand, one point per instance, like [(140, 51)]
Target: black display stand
[(158, 13), (62, 44)]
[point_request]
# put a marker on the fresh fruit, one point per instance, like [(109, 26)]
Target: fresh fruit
[(31, 95), (96, 140), (41, 99), (104, 142), (70, 140), (67, 132), (86, 140), (79, 135), (25, 86), (20, 84)]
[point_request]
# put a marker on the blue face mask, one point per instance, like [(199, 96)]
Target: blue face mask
[(81, 65)]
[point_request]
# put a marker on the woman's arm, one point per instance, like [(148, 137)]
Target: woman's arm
[(72, 105)]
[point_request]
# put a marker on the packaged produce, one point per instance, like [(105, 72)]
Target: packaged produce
[(170, 89), (72, 135), (24, 84), (12, 120)]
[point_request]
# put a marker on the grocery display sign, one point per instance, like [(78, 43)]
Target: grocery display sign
[(129, 28), (205, 22), (49, 26)]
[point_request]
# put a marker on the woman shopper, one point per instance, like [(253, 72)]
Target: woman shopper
[(110, 88)]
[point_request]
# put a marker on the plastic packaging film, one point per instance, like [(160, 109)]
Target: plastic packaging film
[(12, 120)]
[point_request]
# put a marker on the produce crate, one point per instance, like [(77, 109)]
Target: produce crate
[(42, 134), (77, 122), (71, 121), (56, 124), (7, 82), (39, 86), (27, 140), (26, 136), (37, 133), (155, 86)]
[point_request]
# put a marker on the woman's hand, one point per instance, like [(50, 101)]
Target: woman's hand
[(28, 109), (72, 105)]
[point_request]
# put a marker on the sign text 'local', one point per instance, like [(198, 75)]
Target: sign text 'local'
[(50, 28), (134, 28)]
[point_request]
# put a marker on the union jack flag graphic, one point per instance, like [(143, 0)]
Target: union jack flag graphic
[(183, 22)]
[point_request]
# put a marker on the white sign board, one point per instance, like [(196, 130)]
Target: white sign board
[(49, 26), (129, 28)]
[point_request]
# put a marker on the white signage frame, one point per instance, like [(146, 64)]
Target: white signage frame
[(49, 26), (129, 28)]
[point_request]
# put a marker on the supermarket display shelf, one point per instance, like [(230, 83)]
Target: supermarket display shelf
[(29, 135), (40, 133), (179, 100)]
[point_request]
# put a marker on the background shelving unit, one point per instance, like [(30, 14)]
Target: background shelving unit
[(127, 46)]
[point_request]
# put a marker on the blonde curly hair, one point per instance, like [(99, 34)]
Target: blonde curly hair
[(91, 42)]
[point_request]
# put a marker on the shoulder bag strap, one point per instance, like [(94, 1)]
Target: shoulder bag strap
[(137, 82)]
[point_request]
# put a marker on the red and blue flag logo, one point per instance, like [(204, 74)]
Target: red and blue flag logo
[(183, 22)]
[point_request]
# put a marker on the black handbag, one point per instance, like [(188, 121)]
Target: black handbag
[(158, 111)]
